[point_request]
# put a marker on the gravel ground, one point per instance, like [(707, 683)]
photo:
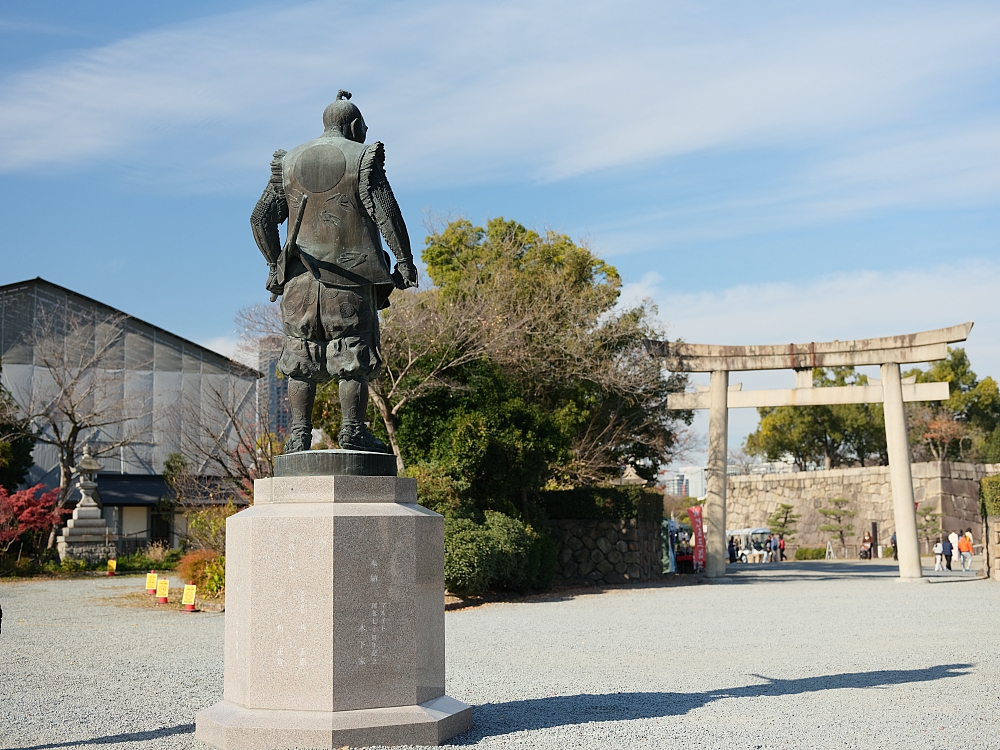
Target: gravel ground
[(801, 655)]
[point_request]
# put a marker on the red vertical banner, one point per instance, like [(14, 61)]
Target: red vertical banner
[(697, 535)]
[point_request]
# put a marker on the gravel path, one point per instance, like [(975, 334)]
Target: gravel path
[(799, 655)]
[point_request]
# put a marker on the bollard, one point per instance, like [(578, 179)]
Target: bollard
[(162, 591), (190, 591), (112, 567), (151, 582)]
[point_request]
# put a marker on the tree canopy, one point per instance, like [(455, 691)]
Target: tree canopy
[(833, 436), (967, 425)]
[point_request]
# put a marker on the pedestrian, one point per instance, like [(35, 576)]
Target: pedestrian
[(895, 552), (732, 549), (775, 550), (946, 550), (938, 555), (781, 546), (953, 538), (866, 545), (965, 550)]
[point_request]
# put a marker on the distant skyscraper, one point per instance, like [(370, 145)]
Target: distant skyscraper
[(695, 478), (676, 485), (275, 392)]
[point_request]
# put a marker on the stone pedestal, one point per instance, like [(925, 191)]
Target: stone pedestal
[(334, 619), (86, 535)]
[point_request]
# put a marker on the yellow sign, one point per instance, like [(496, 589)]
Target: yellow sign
[(150, 581), (112, 566), (162, 587), (189, 592)]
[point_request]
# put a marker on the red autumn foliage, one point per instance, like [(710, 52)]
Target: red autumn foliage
[(27, 511)]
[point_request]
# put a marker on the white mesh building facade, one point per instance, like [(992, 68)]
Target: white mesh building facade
[(156, 389)]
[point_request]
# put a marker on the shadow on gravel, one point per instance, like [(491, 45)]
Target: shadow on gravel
[(833, 570), (819, 570), (152, 734), (494, 719)]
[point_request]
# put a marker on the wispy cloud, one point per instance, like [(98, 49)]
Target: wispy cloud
[(466, 93)]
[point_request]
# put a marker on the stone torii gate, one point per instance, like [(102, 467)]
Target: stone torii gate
[(888, 352)]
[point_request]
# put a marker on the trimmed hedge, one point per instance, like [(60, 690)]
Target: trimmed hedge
[(989, 496), (615, 503), (499, 554), (810, 553)]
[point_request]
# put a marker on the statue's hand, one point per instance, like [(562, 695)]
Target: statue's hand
[(272, 284), (406, 274)]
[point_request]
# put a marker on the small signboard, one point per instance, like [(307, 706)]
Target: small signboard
[(112, 567), (830, 554), (150, 582), (162, 588), (189, 594)]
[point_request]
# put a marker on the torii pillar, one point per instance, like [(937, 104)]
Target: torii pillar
[(888, 352)]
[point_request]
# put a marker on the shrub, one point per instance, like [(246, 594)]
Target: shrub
[(68, 566), (206, 527), (28, 514), (989, 496), (25, 566), (810, 553), (157, 551), (205, 569), (499, 554), (156, 556), (615, 503), (440, 492)]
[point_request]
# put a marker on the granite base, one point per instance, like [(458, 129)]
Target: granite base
[(230, 727)]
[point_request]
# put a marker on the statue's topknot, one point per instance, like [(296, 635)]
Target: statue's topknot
[(341, 94)]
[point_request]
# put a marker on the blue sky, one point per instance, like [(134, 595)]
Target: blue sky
[(767, 172)]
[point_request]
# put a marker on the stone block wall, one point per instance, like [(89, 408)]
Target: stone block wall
[(952, 489), (607, 551), (991, 544)]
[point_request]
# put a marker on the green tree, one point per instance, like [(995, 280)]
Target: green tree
[(16, 443), (782, 521), (839, 520), (486, 436), (989, 449), (832, 435), (928, 525)]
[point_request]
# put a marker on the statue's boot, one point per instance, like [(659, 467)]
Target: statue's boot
[(356, 437), (301, 397), (298, 441)]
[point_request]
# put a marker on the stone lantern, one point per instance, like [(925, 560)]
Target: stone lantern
[(86, 535)]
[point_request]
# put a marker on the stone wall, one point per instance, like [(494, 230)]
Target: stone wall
[(991, 545), (607, 551), (950, 488)]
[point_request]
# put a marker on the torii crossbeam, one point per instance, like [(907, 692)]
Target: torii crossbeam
[(888, 352)]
